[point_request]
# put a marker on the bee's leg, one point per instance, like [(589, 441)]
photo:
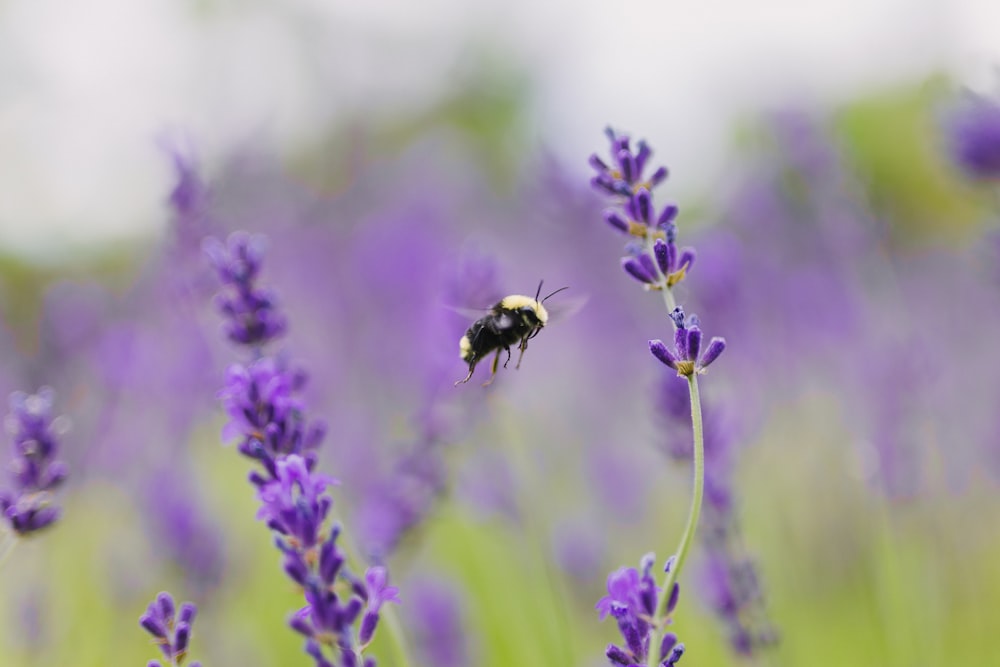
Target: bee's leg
[(493, 371), (523, 347), (508, 357), (472, 369)]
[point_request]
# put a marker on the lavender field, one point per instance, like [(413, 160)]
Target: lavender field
[(760, 427)]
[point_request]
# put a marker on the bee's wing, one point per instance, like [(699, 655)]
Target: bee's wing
[(472, 314), (565, 308)]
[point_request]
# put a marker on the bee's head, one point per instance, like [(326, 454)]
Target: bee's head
[(541, 314), (534, 314)]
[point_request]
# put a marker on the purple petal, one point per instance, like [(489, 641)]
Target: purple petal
[(648, 264), (616, 220), (662, 251), (658, 176), (644, 205), (667, 645), (667, 215), (635, 269), (642, 155), (661, 352), (686, 260), (693, 342), (597, 163), (715, 348)]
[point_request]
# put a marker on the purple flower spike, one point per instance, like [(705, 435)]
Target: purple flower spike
[(267, 417), (687, 346), (35, 471), (252, 318), (170, 631), (624, 176), (294, 503), (973, 134)]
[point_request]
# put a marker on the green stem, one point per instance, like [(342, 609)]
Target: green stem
[(668, 299), (670, 578)]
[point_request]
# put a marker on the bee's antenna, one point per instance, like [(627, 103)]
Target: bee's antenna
[(539, 290), (553, 293)]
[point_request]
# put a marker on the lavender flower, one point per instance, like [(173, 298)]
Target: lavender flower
[(632, 600), (36, 472), (733, 591), (268, 416), (972, 130), (687, 358), (657, 263), (625, 174), (296, 507), (250, 311), (180, 527), (436, 621), (170, 628)]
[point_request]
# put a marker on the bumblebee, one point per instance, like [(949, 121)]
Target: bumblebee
[(514, 319)]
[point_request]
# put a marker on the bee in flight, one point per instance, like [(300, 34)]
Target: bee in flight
[(514, 319)]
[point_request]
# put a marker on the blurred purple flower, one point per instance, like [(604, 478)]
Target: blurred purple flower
[(35, 470), (617, 479), (181, 528), (251, 313), (731, 588), (435, 622), (972, 132), (190, 198), (579, 549)]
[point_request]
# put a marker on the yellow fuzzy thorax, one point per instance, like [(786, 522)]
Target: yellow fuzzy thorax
[(516, 301)]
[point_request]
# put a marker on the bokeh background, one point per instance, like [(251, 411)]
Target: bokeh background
[(408, 159)]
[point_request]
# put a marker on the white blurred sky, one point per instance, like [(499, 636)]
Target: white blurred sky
[(85, 88)]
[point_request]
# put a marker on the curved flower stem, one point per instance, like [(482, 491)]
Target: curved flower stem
[(670, 578)]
